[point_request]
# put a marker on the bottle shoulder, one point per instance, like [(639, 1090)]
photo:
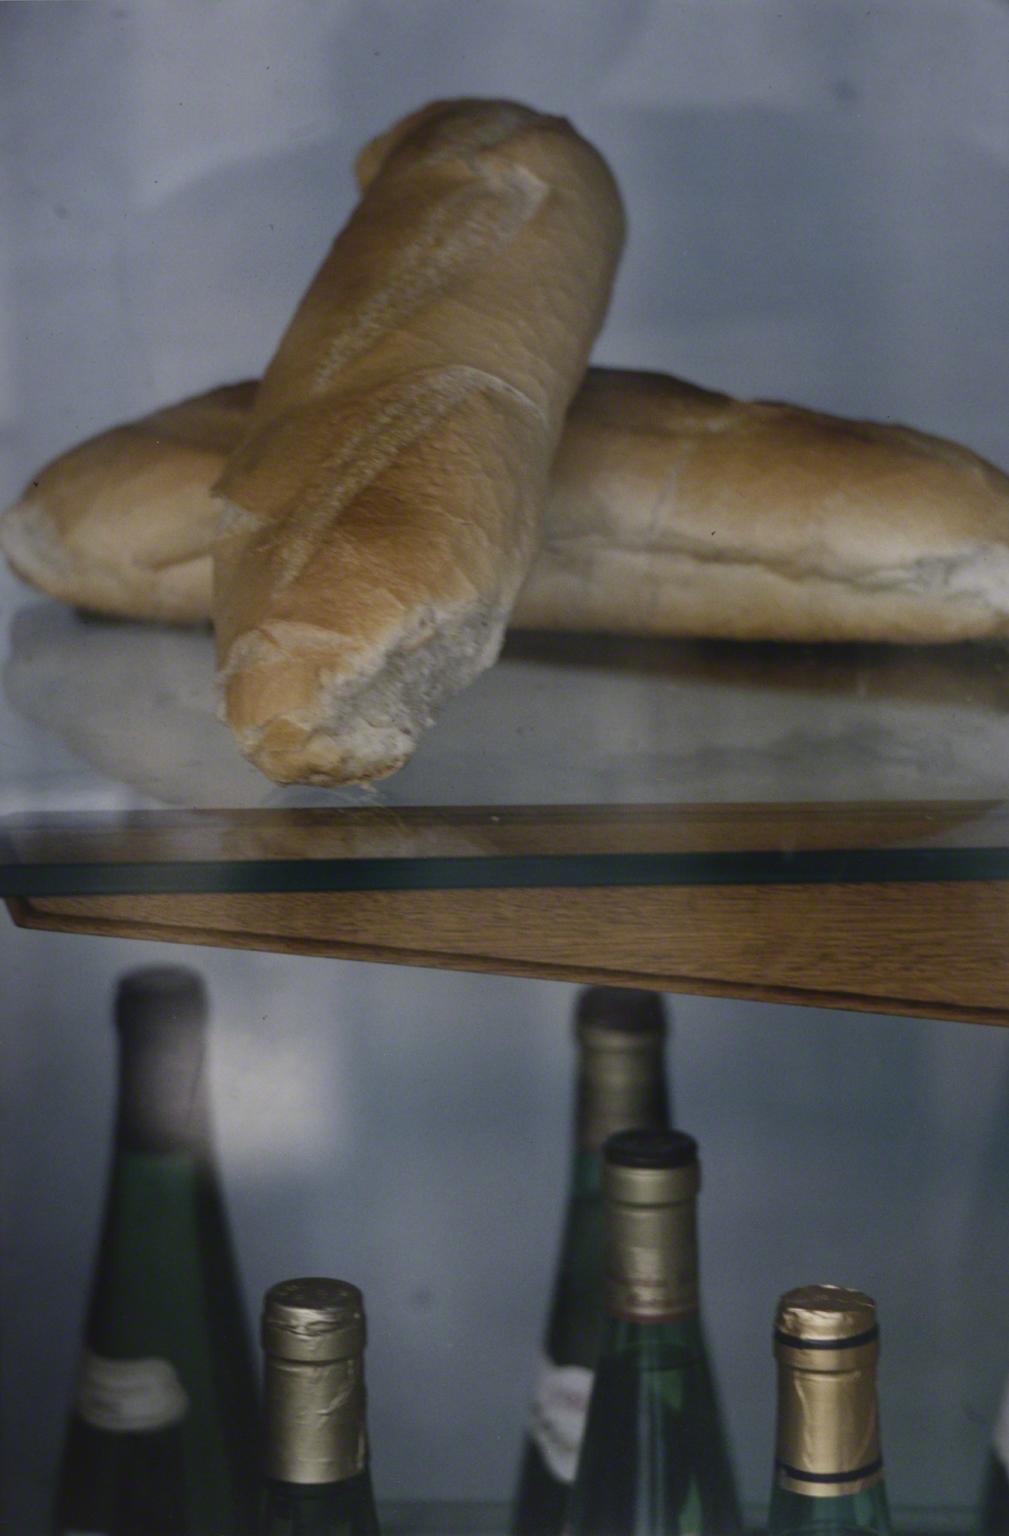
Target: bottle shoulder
[(654, 1456)]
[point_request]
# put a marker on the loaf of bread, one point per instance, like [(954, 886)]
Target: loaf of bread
[(678, 511), (386, 503), (672, 511), (123, 524)]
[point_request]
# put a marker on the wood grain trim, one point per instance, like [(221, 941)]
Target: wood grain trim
[(932, 950)]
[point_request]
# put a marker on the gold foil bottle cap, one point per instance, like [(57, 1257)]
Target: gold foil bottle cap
[(313, 1319), (621, 1035), (620, 1018), (650, 1183), (313, 1384), (651, 1167), (826, 1328), (826, 1341)]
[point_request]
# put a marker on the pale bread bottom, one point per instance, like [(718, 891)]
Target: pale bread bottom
[(597, 586)]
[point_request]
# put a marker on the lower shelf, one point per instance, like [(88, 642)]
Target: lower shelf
[(486, 1519)]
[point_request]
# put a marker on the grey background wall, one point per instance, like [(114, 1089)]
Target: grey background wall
[(819, 211)]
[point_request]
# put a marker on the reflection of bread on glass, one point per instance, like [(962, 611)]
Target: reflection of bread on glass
[(873, 673), (572, 719), (134, 700), (659, 520), (620, 721)]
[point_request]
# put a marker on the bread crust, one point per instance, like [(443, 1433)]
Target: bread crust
[(662, 518), (123, 524), (675, 510), (385, 506)]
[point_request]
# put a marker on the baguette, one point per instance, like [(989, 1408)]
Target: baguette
[(385, 505), (123, 524), (672, 510), (678, 511)]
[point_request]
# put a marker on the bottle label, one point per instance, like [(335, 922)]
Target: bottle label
[(1000, 1434), (129, 1396), (560, 1404)]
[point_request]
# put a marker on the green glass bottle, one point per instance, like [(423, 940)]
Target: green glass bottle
[(163, 1434), (828, 1466), (621, 1082), (653, 1460), (318, 1479), (993, 1515)]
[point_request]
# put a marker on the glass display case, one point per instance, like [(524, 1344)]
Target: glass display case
[(817, 212)]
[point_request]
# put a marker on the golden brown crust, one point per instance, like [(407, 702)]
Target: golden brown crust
[(659, 521), (123, 523), (676, 511), (385, 505)]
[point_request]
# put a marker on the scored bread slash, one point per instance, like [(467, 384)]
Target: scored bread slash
[(386, 503)]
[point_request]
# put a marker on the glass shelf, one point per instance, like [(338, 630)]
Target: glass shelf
[(575, 761)]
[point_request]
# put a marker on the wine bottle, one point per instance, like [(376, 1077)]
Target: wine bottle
[(993, 1515), (621, 1082), (162, 1437), (653, 1460), (828, 1467), (318, 1480)]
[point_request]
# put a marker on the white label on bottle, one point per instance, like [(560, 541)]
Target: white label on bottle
[(560, 1404), (1000, 1434), (127, 1396)]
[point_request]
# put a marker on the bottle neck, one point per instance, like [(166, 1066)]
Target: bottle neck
[(673, 1341), (827, 1443), (163, 1105), (619, 1088), (587, 1174), (325, 1509), (315, 1420), (651, 1268)]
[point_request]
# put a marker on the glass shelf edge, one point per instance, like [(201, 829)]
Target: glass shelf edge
[(843, 866)]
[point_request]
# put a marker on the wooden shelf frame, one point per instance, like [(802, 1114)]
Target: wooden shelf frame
[(931, 949)]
